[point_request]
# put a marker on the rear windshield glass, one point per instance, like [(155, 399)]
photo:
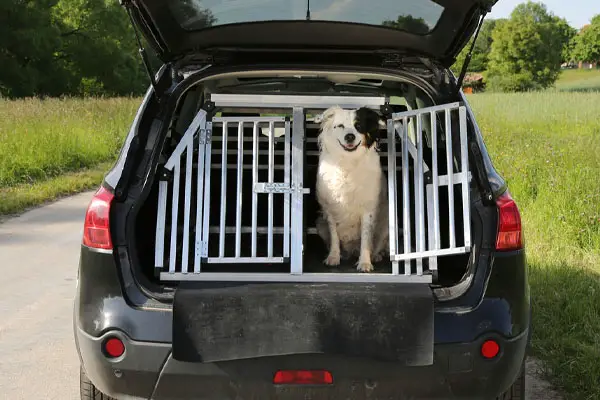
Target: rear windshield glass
[(415, 16)]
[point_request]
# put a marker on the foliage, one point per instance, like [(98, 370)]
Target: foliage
[(98, 46), (57, 47), (190, 15), (586, 45), (527, 49), (28, 40), (408, 23), (481, 51)]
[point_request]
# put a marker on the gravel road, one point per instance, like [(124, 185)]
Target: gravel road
[(40, 252)]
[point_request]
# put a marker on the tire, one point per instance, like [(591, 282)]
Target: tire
[(87, 389), (517, 390)]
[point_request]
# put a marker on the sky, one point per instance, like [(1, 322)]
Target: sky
[(576, 12)]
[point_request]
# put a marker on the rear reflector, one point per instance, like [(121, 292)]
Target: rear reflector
[(303, 377), (96, 227), (490, 349), (114, 347), (510, 236)]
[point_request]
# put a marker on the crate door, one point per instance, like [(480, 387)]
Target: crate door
[(247, 196)]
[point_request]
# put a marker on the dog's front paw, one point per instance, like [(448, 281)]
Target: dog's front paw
[(364, 267), (332, 260)]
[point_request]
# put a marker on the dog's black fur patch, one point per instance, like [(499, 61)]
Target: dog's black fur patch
[(367, 123)]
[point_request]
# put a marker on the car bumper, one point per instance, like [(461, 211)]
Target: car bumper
[(147, 371)]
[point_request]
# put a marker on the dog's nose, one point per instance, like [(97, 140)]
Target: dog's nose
[(349, 138)]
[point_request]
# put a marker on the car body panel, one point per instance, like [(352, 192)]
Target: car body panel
[(102, 304), (443, 27), (493, 303), (458, 372)]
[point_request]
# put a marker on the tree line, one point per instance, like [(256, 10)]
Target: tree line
[(68, 47), (526, 51), (88, 47)]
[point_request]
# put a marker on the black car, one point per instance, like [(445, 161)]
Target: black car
[(200, 274)]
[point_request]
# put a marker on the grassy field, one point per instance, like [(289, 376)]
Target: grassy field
[(547, 146), (579, 80), (40, 139), (50, 148)]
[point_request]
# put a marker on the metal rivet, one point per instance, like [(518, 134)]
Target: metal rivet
[(118, 373)]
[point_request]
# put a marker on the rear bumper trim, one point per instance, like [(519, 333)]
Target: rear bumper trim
[(149, 371)]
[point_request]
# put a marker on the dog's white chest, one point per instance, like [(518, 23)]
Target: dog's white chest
[(349, 191)]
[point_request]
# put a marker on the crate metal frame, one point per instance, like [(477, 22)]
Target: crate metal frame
[(294, 192), (432, 248)]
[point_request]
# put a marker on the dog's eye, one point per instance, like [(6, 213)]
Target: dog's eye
[(340, 126), (358, 127)]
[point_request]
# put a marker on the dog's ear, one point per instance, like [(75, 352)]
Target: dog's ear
[(327, 115), (369, 122)]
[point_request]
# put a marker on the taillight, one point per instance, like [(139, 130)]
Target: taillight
[(96, 227), (510, 234), (114, 347), (303, 377), (490, 349)]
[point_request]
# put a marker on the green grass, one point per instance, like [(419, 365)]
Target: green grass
[(547, 146), (17, 198), (41, 139), (579, 80)]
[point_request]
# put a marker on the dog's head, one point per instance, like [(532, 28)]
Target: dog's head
[(349, 131)]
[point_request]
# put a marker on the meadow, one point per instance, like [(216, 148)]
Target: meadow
[(579, 80), (546, 145), (54, 147)]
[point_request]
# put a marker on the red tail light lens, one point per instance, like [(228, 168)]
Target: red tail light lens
[(510, 234), (490, 349), (96, 227), (114, 347), (303, 377)]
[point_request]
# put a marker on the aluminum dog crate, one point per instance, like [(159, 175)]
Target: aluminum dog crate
[(269, 152)]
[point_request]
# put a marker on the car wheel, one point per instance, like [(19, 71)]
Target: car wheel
[(517, 390), (87, 389)]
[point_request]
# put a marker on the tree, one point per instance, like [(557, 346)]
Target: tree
[(567, 34), (527, 49), (408, 23), (75, 47), (586, 45), (481, 51), (192, 15), (28, 40), (98, 48)]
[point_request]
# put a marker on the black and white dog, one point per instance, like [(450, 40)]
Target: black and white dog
[(351, 187)]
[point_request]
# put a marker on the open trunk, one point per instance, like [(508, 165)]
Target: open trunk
[(254, 220)]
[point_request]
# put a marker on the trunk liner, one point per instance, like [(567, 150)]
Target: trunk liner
[(390, 322)]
